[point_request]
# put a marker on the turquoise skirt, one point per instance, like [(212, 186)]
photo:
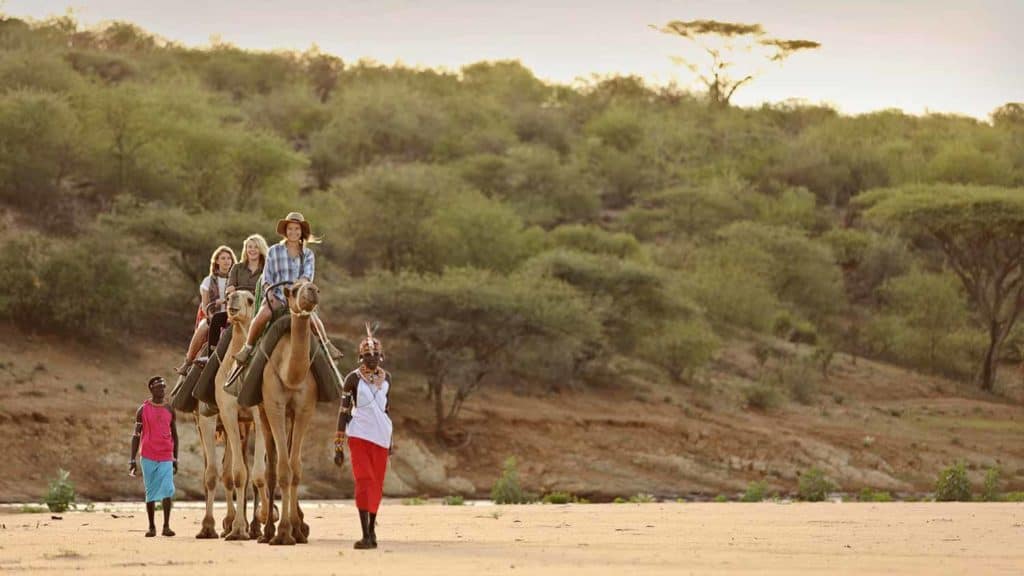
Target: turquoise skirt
[(158, 478)]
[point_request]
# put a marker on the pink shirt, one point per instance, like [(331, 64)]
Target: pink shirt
[(157, 443)]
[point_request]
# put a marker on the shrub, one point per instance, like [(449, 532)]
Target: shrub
[(755, 492), (642, 498), (990, 492), (61, 495), (414, 501), (558, 498), (721, 498), (683, 348), (814, 485), (762, 397), (799, 377), (953, 485), (1013, 497), (454, 500), (507, 489), (868, 495)]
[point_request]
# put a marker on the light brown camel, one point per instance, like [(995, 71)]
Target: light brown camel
[(236, 422), (289, 402)]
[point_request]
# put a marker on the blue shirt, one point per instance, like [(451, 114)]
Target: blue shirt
[(280, 267)]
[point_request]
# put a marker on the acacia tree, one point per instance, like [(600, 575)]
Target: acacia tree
[(981, 232), (721, 41), (470, 324)]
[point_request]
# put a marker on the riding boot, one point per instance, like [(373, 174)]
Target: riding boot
[(364, 521), (243, 355), (371, 529)]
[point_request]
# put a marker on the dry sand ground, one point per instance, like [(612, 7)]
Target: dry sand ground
[(827, 538)]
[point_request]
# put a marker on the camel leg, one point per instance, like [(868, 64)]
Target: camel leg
[(302, 420), (207, 427), (237, 473), (266, 476), (254, 449), (302, 517), (229, 490), (276, 417)]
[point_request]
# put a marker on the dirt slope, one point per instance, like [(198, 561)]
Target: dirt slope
[(872, 425)]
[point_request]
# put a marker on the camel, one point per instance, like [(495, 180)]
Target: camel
[(236, 422), (289, 402)]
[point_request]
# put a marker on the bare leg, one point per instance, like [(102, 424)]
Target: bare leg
[(258, 323), (167, 505), (206, 427), (198, 339)]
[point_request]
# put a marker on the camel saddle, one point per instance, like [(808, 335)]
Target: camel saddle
[(250, 389)]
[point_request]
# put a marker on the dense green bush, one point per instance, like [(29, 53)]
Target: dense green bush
[(88, 288), (755, 492), (953, 485), (682, 348), (507, 489), (992, 490), (61, 494), (814, 486)]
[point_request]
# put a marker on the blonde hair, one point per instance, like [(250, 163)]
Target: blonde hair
[(261, 246), (216, 253)]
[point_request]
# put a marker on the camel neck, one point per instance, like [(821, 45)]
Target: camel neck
[(298, 360)]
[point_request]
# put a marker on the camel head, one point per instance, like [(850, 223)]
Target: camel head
[(303, 298), (241, 306)]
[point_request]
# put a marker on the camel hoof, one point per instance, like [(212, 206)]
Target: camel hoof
[(305, 529), (254, 530), (283, 539), (268, 535), (299, 537), (237, 536), (207, 533)]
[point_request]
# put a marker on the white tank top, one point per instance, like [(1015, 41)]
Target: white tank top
[(369, 419)]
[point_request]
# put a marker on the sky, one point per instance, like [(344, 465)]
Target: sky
[(949, 56)]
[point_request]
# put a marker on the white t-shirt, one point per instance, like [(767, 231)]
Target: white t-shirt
[(222, 284)]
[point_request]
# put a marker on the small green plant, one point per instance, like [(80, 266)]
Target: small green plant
[(990, 492), (1013, 497), (814, 486), (507, 489), (953, 485), (558, 498), (415, 501), (61, 495), (755, 492), (31, 509), (868, 495), (454, 500), (721, 498), (619, 500), (642, 498)]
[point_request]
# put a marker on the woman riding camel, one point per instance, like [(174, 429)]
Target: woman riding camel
[(290, 260), (246, 274), (213, 295)]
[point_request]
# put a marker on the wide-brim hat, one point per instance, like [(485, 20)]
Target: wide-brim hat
[(296, 217)]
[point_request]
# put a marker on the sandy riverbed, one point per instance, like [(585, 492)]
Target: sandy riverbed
[(897, 538)]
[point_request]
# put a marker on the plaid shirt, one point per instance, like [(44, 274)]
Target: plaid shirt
[(280, 267)]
